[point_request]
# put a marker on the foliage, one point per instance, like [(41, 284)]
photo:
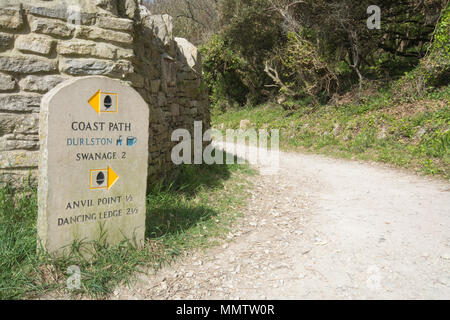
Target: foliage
[(434, 69), (320, 48), (253, 31), (303, 69), (314, 48), (222, 72)]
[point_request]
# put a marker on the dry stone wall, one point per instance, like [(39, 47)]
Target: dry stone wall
[(43, 43)]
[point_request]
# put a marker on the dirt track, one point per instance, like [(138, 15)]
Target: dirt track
[(323, 228)]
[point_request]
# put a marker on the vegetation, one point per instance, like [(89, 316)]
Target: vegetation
[(411, 134), (315, 70), (193, 212), (258, 50)]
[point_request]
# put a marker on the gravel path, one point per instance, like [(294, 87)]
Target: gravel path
[(323, 228)]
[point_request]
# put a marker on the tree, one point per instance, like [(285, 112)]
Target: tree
[(195, 20)]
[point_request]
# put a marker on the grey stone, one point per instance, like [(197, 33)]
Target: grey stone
[(162, 101), (11, 142), (131, 8), (189, 54), (137, 80), (382, 134), (420, 132), (18, 159), (115, 23), (191, 88), (7, 82), (11, 18), (34, 43), (154, 85), (244, 124), (56, 12), (87, 48), (20, 102), (50, 27), (162, 26), (108, 5), (6, 41), (94, 33), (128, 8), (40, 83), (96, 67), (123, 53), (337, 129), (26, 64), (61, 12), (24, 123), (175, 109), (144, 12), (18, 178)]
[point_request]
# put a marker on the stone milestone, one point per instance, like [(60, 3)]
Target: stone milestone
[(93, 161)]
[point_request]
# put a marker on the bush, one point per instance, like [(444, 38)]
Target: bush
[(222, 72), (434, 69)]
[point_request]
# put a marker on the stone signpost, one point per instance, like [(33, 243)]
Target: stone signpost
[(93, 163)]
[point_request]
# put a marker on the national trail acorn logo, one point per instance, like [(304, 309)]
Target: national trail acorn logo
[(102, 178), (105, 102)]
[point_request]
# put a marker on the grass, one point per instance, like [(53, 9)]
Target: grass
[(193, 212), (411, 134)]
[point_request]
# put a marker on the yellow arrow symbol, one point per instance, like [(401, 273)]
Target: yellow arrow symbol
[(112, 177), (94, 101)]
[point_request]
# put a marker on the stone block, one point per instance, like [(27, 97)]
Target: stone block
[(19, 177), (50, 27), (6, 41), (175, 109), (61, 12), (162, 26), (79, 67), (7, 83), (26, 64), (40, 83), (123, 53), (162, 100), (137, 80), (188, 54), (23, 142), (98, 34), (18, 159), (115, 23), (34, 43), (154, 85), (87, 48), (11, 18), (24, 123), (20, 102)]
